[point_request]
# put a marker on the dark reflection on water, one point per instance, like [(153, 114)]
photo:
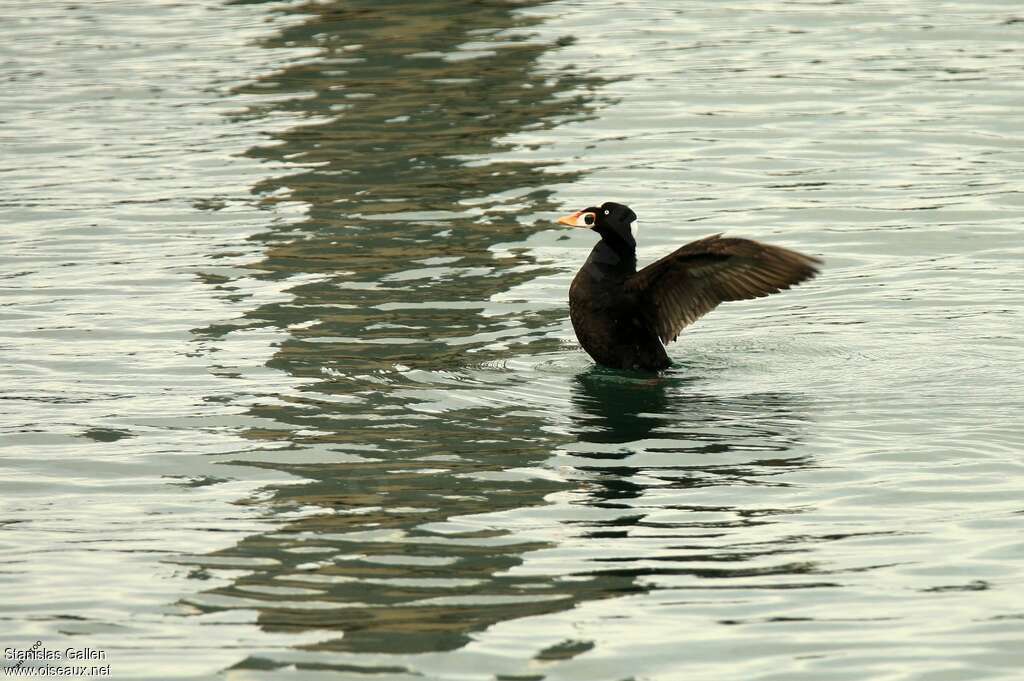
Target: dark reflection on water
[(400, 231), (618, 407), (399, 225), (712, 441), (410, 437)]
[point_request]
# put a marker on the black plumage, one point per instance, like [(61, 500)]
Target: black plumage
[(623, 318)]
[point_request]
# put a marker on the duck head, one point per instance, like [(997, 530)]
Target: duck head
[(615, 222)]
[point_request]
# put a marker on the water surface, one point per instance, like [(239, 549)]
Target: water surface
[(291, 390)]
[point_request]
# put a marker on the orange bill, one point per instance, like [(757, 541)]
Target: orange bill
[(578, 219)]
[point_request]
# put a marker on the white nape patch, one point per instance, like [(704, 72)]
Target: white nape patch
[(634, 227)]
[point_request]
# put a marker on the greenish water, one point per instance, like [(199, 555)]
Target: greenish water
[(290, 389)]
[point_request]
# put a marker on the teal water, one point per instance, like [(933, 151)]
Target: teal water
[(290, 389)]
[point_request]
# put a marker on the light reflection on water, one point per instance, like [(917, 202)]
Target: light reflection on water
[(289, 357)]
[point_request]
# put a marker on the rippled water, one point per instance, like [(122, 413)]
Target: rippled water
[(289, 385)]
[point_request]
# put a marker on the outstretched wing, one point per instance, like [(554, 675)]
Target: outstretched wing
[(685, 285)]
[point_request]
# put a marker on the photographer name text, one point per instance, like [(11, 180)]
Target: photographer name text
[(35, 653)]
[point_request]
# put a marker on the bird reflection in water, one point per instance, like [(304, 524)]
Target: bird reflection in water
[(619, 407), (649, 445), (615, 407)]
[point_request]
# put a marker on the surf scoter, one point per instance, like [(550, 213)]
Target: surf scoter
[(623, 318)]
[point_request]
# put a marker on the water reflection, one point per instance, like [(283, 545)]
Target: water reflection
[(618, 407), (404, 454), (649, 445), (397, 221), (423, 463)]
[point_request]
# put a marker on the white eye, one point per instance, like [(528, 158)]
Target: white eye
[(634, 227)]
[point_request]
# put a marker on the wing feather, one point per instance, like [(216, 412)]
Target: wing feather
[(685, 285)]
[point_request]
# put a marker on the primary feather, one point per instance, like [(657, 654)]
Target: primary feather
[(685, 285)]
